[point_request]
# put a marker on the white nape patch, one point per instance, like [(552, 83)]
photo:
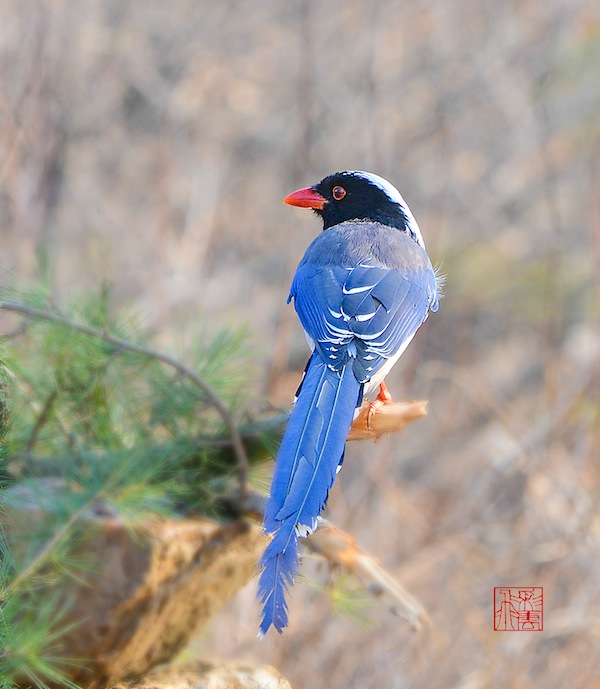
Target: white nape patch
[(394, 195)]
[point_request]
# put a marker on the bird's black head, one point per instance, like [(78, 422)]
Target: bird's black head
[(357, 195)]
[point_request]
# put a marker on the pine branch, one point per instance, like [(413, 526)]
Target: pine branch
[(41, 420), (125, 345)]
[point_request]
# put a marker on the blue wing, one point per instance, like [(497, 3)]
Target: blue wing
[(367, 312)]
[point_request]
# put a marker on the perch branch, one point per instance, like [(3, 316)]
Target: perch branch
[(125, 345), (389, 418)]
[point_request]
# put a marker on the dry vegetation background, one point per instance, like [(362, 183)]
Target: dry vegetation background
[(150, 143)]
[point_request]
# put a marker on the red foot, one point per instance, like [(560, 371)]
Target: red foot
[(384, 397)]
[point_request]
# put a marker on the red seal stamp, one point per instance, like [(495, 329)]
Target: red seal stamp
[(518, 608)]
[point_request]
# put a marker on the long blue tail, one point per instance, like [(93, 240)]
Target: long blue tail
[(311, 449)]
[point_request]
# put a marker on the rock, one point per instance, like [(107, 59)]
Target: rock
[(211, 676), (145, 590)]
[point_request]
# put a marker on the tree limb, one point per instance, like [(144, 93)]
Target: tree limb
[(339, 547)]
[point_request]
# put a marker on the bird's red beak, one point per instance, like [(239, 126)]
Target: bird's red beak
[(305, 198)]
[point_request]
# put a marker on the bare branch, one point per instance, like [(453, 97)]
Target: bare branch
[(339, 547)]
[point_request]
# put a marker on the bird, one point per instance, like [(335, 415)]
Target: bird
[(363, 288)]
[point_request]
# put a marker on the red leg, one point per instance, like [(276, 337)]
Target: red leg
[(384, 397)]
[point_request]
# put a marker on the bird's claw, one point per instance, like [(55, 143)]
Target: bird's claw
[(384, 397)]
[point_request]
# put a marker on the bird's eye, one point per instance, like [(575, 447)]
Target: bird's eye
[(338, 193)]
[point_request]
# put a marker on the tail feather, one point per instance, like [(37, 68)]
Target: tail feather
[(305, 470), (275, 579)]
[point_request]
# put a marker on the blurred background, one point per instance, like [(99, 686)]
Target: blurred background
[(149, 144)]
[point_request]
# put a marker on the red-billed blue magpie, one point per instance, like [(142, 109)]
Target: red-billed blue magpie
[(362, 290)]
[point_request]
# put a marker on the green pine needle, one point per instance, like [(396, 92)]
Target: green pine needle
[(88, 426)]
